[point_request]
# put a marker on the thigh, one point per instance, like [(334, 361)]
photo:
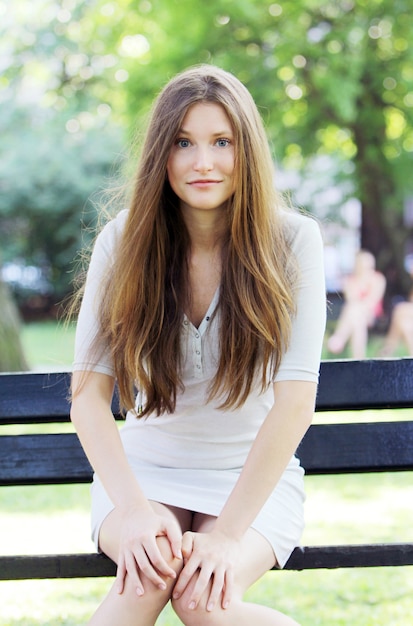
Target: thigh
[(110, 529), (257, 555)]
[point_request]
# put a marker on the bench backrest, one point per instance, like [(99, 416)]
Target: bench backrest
[(29, 398)]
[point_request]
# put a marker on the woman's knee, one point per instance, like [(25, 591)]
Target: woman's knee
[(199, 616), (152, 595), (153, 599)]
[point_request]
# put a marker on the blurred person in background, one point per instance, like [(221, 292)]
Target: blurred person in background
[(363, 292), (400, 332)]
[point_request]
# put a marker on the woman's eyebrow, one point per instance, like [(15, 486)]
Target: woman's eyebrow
[(225, 131)]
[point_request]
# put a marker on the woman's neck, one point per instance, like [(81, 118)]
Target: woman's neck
[(206, 230)]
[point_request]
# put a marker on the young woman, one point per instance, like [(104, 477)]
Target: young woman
[(205, 302), (363, 294)]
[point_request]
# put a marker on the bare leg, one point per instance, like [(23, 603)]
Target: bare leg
[(393, 336), (359, 338), (257, 558), (352, 326), (408, 331), (343, 330), (129, 609), (401, 329)]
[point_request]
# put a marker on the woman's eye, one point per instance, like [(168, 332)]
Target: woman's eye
[(183, 143), (222, 143)]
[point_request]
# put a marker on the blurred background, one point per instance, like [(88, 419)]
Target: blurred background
[(333, 80)]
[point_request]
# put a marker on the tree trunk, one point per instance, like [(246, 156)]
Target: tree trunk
[(382, 231), (11, 351)]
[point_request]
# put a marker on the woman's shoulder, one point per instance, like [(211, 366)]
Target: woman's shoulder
[(298, 224), (116, 224), (112, 230)]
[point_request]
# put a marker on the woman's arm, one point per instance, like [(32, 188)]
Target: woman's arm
[(93, 419), (92, 416), (275, 444)]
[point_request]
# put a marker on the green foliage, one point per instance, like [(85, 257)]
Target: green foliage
[(42, 215), (330, 77), (306, 62), (57, 145)]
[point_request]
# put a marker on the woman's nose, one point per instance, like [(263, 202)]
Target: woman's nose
[(203, 160)]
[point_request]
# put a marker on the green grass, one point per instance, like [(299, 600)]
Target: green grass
[(340, 509), (48, 346)]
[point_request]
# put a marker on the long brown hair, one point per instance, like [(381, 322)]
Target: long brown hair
[(144, 296)]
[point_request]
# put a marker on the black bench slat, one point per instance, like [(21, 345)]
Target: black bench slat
[(360, 447), (326, 449), (29, 397), (358, 555), (367, 384), (56, 566), (35, 398), (344, 385), (311, 557), (43, 459)]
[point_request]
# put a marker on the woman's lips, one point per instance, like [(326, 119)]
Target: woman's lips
[(203, 182)]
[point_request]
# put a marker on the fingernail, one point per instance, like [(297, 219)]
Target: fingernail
[(192, 605), (226, 604), (162, 586), (139, 591), (210, 606), (176, 595)]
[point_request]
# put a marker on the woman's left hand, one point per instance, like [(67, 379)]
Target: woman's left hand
[(212, 556)]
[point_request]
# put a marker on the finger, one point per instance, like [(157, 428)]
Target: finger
[(158, 561), (147, 567), (201, 585), (187, 544), (217, 588), (174, 535), (228, 589), (184, 577), (120, 575), (132, 570)]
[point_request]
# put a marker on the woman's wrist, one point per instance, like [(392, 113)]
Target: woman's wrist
[(232, 531)]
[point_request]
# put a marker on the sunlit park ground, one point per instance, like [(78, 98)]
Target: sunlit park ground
[(340, 509), (49, 345)]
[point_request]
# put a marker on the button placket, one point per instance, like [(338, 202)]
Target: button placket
[(198, 354)]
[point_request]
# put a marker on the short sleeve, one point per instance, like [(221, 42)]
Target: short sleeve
[(91, 353), (301, 361)]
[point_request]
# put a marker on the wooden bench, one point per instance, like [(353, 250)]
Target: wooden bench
[(34, 459)]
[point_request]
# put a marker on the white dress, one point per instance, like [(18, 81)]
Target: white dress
[(192, 458)]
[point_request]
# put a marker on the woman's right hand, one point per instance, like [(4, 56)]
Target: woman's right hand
[(139, 551)]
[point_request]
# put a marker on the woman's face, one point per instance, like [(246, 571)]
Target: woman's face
[(201, 164)]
